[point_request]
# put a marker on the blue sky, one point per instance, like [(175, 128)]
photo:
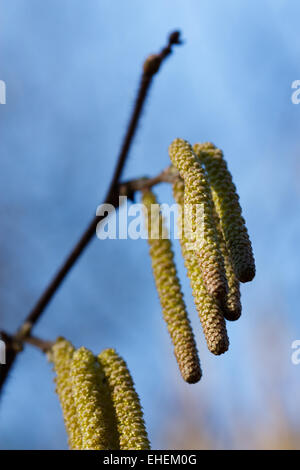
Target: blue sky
[(71, 69)]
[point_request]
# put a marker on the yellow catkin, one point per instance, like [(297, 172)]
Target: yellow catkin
[(231, 306), (170, 294), (197, 195), (229, 210), (89, 401), (130, 422), (61, 355), (209, 309), (109, 412)]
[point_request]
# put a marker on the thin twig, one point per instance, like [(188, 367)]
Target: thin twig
[(39, 343), (13, 343), (140, 184), (150, 68)]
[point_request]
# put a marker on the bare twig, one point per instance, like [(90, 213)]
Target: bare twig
[(140, 184), (39, 343), (150, 68), (14, 343)]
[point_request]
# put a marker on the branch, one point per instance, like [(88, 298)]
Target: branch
[(128, 188), (14, 343), (150, 68), (39, 343)]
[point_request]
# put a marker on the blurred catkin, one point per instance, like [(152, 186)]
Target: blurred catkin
[(89, 401), (198, 195), (229, 210), (131, 427), (61, 355), (209, 310), (170, 294)]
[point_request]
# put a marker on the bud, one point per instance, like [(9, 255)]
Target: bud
[(229, 210), (197, 194), (61, 355), (209, 309), (152, 64), (89, 401), (129, 415), (170, 294)]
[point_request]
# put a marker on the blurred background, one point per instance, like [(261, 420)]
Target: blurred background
[(71, 69)]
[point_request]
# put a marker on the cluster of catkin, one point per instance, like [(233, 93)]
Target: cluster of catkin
[(215, 246), (100, 406)]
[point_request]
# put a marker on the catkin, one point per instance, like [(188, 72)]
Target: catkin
[(89, 401), (229, 210), (197, 195), (231, 305), (61, 355), (129, 415), (109, 412), (170, 294), (209, 309)]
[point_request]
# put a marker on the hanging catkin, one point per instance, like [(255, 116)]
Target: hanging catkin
[(88, 401), (129, 415), (229, 210), (231, 305), (209, 310), (61, 355), (169, 291), (197, 195), (109, 412)]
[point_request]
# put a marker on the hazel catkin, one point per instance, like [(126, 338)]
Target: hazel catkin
[(130, 423), (88, 401), (208, 307), (61, 355), (229, 210), (169, 291), (197, 195), (231, 305)]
